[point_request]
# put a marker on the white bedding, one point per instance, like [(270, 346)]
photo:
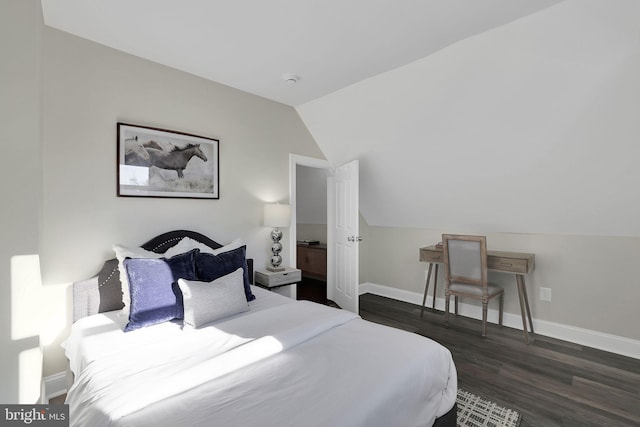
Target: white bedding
[(282, 363)]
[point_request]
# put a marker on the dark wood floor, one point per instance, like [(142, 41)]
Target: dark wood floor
[(550, 382), (312, 290)]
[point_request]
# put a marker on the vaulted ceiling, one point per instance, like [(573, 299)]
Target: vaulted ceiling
[(500, 115), (531, 127)]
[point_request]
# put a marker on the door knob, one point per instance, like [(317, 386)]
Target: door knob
[(354, 238)]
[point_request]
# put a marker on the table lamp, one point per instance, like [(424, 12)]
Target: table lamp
[(276, 216)]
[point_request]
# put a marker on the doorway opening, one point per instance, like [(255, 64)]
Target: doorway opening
[(308, 234)]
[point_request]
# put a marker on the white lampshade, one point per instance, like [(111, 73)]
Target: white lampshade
[(277, 215)]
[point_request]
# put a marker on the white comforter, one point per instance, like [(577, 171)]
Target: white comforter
[(283, 363)]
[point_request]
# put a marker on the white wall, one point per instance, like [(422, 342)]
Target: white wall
[(527, 133), (20, 192), (87, 89)]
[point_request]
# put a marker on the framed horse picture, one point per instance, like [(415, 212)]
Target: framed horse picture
[(156, 162)]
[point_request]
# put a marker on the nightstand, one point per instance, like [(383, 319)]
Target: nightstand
[(276, 279)]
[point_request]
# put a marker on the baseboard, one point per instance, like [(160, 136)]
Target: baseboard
[(607, 342), (55, 385)]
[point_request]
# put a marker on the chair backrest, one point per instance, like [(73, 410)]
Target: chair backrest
[(465, 259)]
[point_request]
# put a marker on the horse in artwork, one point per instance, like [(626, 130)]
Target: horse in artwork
[(174, 158), (135, 152)]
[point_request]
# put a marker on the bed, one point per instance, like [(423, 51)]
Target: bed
[(279, 362)]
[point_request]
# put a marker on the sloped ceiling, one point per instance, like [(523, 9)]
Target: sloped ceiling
[(531, 127), (251, 44)]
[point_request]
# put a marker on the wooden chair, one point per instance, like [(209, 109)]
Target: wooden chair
[(465, 269)]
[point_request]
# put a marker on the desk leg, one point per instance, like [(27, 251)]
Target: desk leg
[(524, 307), (426, 288), (526, 302), (435, 288)]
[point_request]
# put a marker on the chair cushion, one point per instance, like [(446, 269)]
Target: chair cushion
[(474, 289)]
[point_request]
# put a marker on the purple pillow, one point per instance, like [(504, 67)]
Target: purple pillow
[(210, 267), (150, 284)]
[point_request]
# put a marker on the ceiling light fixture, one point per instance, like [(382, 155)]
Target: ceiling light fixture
[(290, 79)]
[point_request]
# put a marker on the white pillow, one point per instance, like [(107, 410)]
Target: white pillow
[(205, 302), (123, 252), (187, 244), (235, 244)]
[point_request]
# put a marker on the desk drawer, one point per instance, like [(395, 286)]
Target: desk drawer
[(508, 264), (427, 255)]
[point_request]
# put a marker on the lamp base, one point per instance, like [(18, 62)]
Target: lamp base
[(272, 268)]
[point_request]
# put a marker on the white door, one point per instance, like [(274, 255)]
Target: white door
[(343, 236)]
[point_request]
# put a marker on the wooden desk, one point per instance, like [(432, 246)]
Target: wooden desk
[(505, 262)]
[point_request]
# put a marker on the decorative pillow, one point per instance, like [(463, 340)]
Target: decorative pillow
[(235, 244), (122, 253), (210, 267), (207, 302), (150, 282), (187, 244)]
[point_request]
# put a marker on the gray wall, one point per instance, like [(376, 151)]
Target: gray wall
[(20, 192), (70, 171)]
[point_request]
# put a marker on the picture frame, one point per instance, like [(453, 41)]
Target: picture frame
[(154, 162)]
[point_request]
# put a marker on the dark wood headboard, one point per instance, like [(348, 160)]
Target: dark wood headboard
[(103, 292)]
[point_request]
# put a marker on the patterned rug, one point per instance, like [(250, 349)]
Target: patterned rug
[(473, 411)]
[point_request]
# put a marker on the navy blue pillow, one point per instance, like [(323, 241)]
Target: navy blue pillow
[(210, 267), (150, 284)]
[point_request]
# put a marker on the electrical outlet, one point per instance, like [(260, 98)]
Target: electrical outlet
[(545, 294)]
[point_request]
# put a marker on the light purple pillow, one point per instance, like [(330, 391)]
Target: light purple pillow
[(153, 300)]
